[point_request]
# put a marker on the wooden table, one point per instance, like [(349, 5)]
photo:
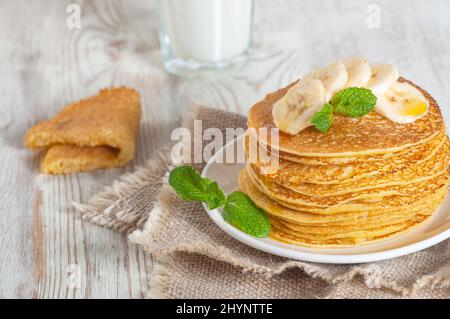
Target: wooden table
[(45, 65)]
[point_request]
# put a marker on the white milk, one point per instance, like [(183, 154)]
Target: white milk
[(207, 31)]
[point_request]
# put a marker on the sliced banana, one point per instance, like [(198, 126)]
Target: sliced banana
[(293, 112), (333, 77), (359, 72), (383, 76), (402, 103)]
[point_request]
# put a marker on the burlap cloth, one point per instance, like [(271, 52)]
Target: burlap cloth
[(196, 259)]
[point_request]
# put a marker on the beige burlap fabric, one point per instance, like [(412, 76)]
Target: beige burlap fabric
[(196, 259)]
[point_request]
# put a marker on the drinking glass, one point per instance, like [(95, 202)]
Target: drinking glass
[(204, 34)]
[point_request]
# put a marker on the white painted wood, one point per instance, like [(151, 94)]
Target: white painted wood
[(44, 65)]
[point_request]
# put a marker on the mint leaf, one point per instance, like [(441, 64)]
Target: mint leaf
[(189, 185), (354, 102), (239, 209), (242, 213), (323, 119)]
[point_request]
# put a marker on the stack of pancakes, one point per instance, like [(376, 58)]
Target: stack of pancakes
[(365, 179)]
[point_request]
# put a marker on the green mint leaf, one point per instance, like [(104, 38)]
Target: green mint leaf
[(323, 119), (189, 185), (239, 209), (242, 213), (354, 102)]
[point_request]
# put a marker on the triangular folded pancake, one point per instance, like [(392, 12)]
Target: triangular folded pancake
[(97, 132)]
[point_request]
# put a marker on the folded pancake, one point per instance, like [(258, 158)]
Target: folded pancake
[(97, 132)]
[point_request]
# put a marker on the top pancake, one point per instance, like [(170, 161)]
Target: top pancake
[(370, 134)]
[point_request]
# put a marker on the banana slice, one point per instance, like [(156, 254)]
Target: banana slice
[(359, 72), (383, 76), (333, 77), (402, 103), (293, 112)]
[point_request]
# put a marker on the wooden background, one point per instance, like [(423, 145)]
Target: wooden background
[(44, 65)]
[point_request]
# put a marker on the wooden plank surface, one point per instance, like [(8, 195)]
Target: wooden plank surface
[(45, 251)]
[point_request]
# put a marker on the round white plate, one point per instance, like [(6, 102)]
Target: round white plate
[(431, 232)]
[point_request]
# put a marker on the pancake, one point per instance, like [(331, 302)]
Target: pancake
[(275, 210), (311, 160), (364, 222), (325, 233), (412, 191), (420, 171), (385, 203), (421, 163), (410, 152), (367, 135), (365, 237)]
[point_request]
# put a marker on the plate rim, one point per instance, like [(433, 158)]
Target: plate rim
[(257, 243)]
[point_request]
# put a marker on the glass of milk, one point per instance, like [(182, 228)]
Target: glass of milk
[(204, 34)]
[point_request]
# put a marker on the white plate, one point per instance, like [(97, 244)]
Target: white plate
[(431, 232)]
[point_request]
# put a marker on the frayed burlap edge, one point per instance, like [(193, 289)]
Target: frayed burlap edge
[(164, 267), (160, 277), (105, 208)]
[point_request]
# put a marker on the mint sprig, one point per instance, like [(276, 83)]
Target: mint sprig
[(323, 119), (239, 209), (352, 102), (187, 182)]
